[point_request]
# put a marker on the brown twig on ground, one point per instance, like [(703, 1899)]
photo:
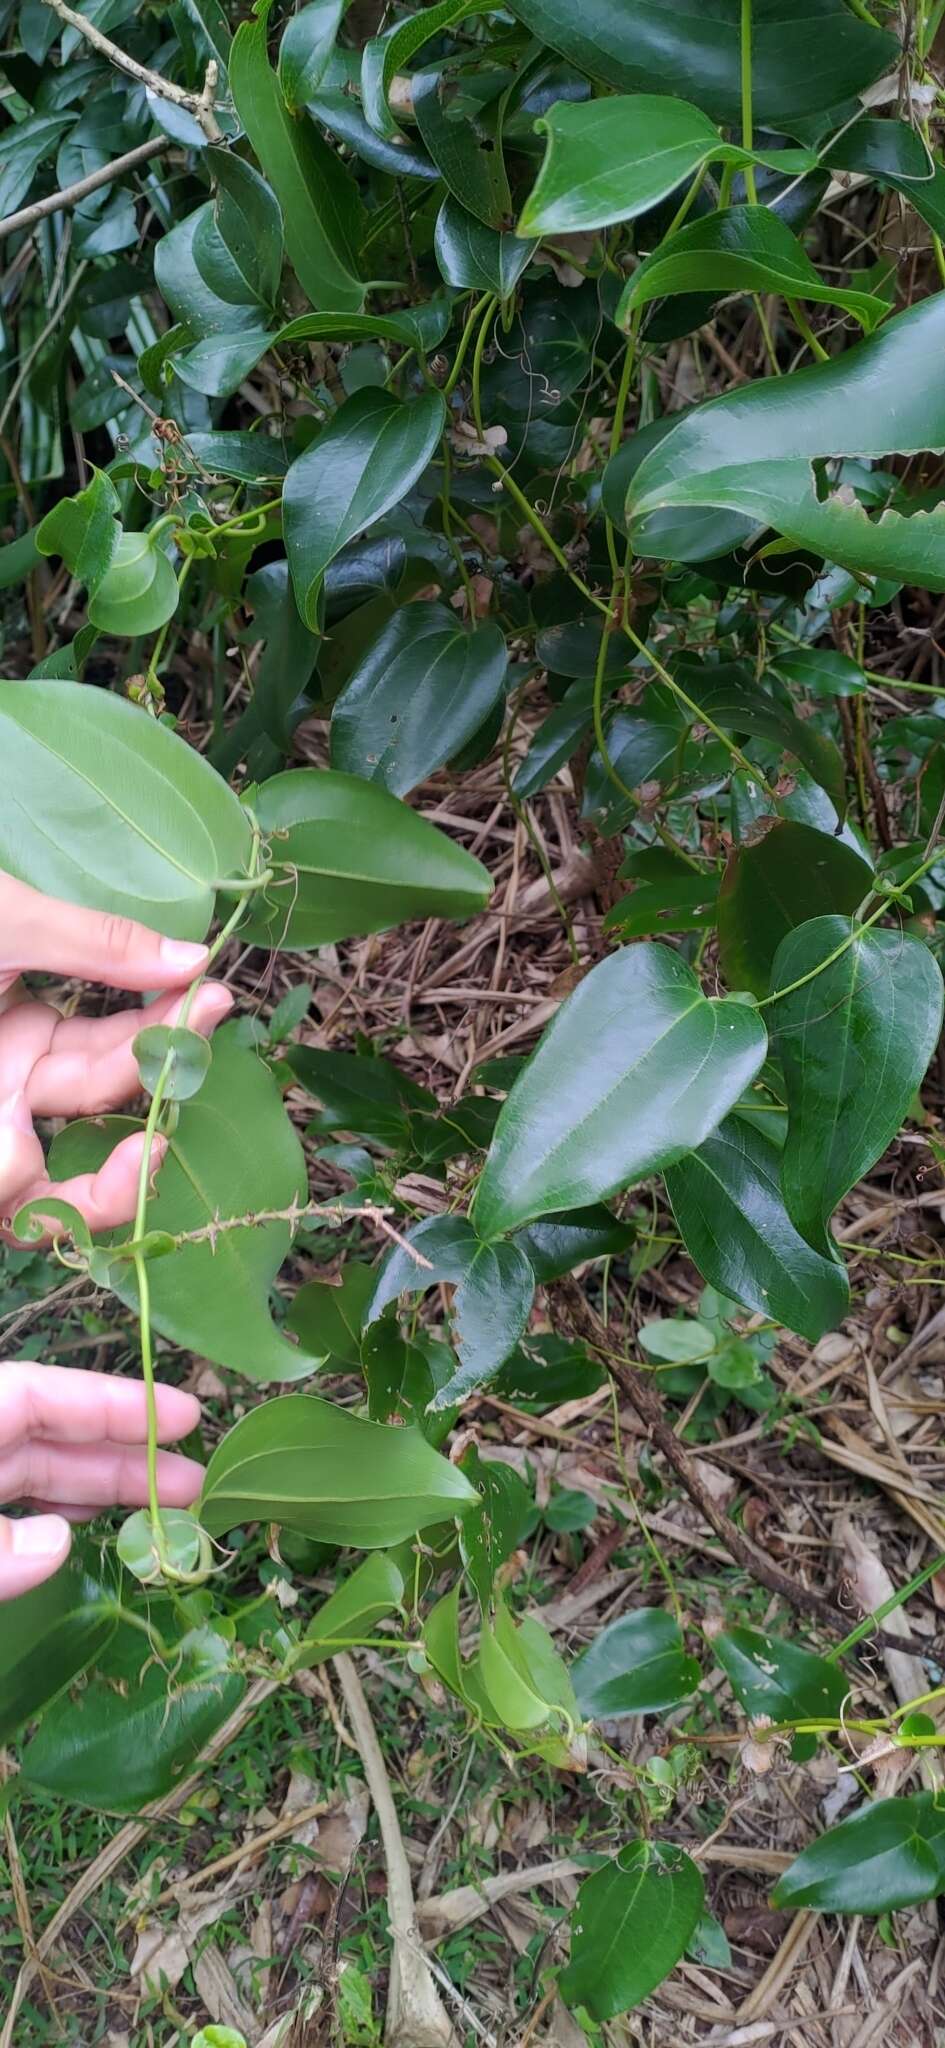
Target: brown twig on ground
[(415, 2016), (585, 1324)]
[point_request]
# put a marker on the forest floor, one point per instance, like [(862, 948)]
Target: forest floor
[(249, 1894)]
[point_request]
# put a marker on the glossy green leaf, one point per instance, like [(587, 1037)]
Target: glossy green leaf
[(248, 221), (791, 875), (637, 1068), (136, 1728), (611, 159), (233, 1152), (741, 249), (473, 257), (411, 35), (328, 1319), (322, 1471), (357, 861), (359, 1092), (84, 776), (751, 451), (779, 1679), (490, 1534), (544, 1371), (23, 147), (687, 903), (821, 670), (556, 1244), (632, 1922), (306, 47), (84, 530), (637, 1665), (728, 694), (854, 1043), (802, 58), (176, 1541), (890, 1854), (730, 1212), (317, 196), (677, 1340), (372, 1591), (414, 327), (360, 465), (417, 696), (467, 152), (51, 1635), (494, 1288)]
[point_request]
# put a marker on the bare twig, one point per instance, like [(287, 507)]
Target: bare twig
[(200, 104), (581, 1318), (71, 195), (415, 2016), (299, 1212)]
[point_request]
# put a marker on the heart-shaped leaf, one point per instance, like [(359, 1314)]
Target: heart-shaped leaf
[(421, 691), (740, 249), (83, 777), (632, 1922), (318, 1469), (637, 1068), (889, 1855), (854, 1042), (637, 1665)]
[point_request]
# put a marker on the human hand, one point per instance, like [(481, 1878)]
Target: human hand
[(72, 1443), (79, 1066)]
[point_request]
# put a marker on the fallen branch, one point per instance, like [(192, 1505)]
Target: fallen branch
[(200, 104), (415, 2016), (586, 1325), (72, 195)]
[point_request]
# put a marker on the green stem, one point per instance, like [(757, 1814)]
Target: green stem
[(464, 341), (747, 123), (491, 308), (805, 329)]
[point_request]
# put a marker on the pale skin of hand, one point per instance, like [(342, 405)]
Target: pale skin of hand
[(74, 1442)]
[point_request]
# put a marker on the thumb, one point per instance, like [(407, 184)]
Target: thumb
[(30, 1551), (47, 935)]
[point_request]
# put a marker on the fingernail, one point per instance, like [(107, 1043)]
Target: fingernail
[(181, 957), (40, 1536), (16, 1113), (158, 1149)]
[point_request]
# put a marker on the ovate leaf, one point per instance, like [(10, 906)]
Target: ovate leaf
[(802, 58), (791, 875), (248, 221), (891, 1854), (139, 590), (730, 1211), (637, 1665), (417, 696), (741, 249), (316, 1468), (494, 1288), (234, 1152), (632, 1922), (751, 452), (353, 859), (854, 1043), (306, 47), (610, 159), (84, 530), (328, 1319), (360, 465), (50, 1635), (778, 1679), (84, 779), (369, 1593), (473, 257), (636, 1069), (136, 1727)]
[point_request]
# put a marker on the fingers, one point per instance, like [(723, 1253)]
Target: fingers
[(90, 1065), (58, 1403), (42, 932), (30, 1551), (21, 1154), (106, 1198), (96, 1475)]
